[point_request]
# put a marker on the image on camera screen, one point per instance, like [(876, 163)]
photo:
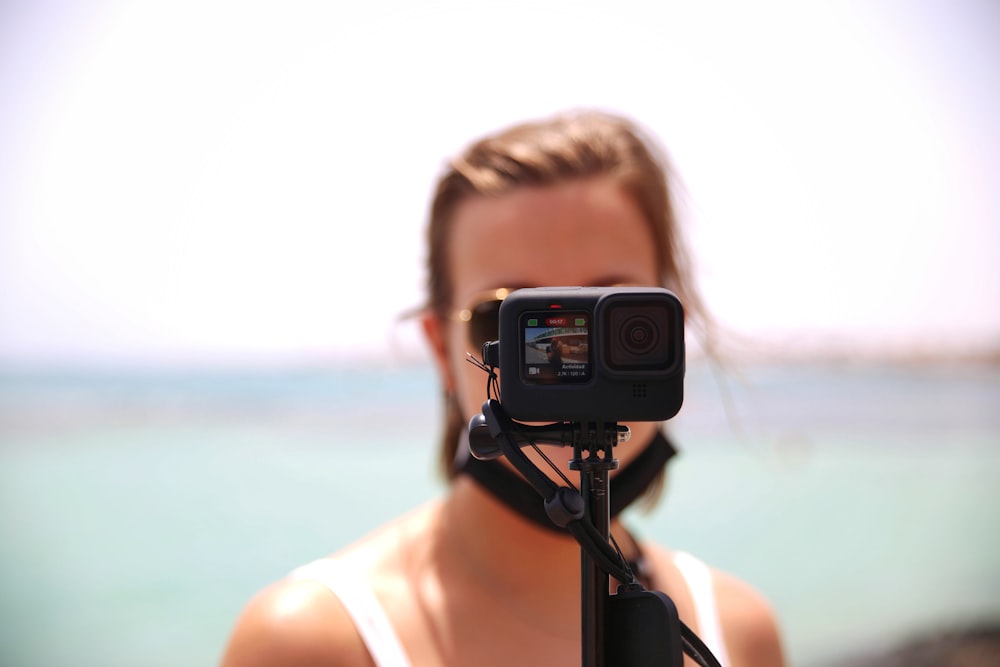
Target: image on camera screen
[(556, 347)]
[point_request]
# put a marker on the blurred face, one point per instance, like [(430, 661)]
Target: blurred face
[(586, 233)]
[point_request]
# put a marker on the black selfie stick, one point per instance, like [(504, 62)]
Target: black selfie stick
[(635, 627), (574, 512), (644, 627), (594, 581)]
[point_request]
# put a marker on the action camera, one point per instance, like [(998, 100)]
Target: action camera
[(591, 354)]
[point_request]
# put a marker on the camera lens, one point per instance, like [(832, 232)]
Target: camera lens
[(638, 335)]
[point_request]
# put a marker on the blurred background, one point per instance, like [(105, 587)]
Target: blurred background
[(211, 220)]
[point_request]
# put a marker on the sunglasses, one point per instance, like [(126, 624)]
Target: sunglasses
[(483, 316)]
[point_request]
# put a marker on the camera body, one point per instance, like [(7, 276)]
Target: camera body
[(591, 354)]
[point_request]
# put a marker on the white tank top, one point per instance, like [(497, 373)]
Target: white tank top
[(386, 650)]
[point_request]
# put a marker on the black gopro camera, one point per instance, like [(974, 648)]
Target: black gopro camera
[(591, 354)]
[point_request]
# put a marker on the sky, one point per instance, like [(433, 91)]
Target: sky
[(223, 182)]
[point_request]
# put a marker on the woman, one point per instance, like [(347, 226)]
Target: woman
[(479, 577)]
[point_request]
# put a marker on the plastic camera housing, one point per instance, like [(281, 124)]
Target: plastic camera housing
[(592, 354)]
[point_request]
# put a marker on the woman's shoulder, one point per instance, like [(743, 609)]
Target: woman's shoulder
[(299, 620), (294, 622), (747, 620)]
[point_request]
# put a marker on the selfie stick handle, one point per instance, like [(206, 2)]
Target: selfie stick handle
[(594, 580)]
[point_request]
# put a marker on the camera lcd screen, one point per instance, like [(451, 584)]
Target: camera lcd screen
[(556, 347)]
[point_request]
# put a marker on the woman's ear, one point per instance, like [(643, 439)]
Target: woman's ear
[(435, 331)]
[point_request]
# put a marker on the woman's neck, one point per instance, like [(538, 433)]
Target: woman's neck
[(532, 570)]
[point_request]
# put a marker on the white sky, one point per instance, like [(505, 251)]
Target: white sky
[(223, 182)]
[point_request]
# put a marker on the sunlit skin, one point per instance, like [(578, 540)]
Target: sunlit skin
[(464, 580)]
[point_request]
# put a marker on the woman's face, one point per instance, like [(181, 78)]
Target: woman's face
[(580, 233)]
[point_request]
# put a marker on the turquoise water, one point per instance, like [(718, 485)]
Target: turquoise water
[(139, 512)]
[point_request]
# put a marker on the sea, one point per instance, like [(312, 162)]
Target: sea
[(140, 510)]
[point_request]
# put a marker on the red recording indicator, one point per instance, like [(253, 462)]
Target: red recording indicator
[(556, 321)]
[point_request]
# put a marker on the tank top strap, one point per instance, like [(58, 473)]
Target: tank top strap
[(698, 577), (365, 610)]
